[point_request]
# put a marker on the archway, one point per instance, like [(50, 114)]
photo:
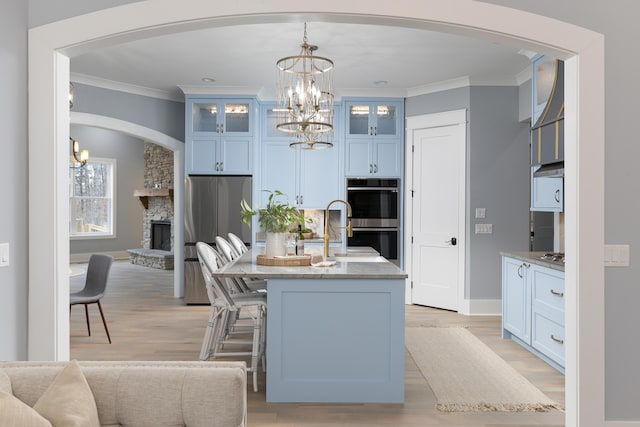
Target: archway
[(151, 135), (51, 45)]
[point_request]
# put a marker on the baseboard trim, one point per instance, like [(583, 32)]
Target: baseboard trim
[(84, 257), (481, 307), (622, 423)]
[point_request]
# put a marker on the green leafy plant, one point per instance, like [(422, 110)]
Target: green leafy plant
[(276, 217), (303, 221)]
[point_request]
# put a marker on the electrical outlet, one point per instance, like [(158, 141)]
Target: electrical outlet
[(481, 212), (484, 228), (4, 255)]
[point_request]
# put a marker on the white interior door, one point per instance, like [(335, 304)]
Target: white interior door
[(437, 212)]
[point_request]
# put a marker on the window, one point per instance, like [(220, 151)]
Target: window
[(91, 200)]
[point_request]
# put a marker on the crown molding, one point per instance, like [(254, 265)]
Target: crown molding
[(219, 90), (124, 87), (438, 87)]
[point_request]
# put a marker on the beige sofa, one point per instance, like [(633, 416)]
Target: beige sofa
[(148, 393)]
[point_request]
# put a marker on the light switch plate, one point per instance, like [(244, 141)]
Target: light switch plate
[(4, 255), (484, 228), (616, 255), (481, 212)]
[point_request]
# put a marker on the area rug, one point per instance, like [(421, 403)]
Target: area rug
[(466, 375)]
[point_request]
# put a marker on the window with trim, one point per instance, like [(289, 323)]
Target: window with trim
[(91, 199)]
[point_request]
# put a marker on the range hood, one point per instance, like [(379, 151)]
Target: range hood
[(550, 170), (547, 134)]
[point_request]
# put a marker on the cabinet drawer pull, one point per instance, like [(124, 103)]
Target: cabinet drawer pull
[(557, 293), (524, 264), (371, 130), (557, 196), (370, 168), (375, 130), (558, 340), (222, 128), (375, 168)]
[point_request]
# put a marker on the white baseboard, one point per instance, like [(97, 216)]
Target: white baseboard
[(481, 307), (622, 423), (84, 257)]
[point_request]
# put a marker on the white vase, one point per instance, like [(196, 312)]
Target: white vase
[(276, 244)]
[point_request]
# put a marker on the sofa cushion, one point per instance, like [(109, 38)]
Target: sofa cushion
[(14, 413), (5, 382), (68, 401)]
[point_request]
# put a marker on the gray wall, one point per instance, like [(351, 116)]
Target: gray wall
[(13, 175), (498, 181), (497, 177), (159, 114), (616, 21), (129, 154)]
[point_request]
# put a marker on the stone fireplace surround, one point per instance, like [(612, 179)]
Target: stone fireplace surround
[(157, 203)]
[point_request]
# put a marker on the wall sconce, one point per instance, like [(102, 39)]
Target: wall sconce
[(80, 157)]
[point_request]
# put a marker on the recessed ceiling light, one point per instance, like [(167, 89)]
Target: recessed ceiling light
[(208, 80), (380, 82)]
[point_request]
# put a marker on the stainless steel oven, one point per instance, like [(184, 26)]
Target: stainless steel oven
[(375, 206)]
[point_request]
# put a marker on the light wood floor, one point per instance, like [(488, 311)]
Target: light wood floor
[(147, 323)]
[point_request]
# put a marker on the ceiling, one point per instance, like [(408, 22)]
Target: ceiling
[(241, 59)]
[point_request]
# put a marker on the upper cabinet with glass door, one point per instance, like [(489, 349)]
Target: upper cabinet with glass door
[(222, 116), (371, 119), (374, 136), (219, 135), (542, 80)]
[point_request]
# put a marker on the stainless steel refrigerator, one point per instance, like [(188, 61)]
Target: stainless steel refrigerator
[(212, 208)]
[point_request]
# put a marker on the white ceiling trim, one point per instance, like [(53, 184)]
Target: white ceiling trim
[(123, 87)]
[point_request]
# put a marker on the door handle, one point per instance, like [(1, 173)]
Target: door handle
[(453, 241)]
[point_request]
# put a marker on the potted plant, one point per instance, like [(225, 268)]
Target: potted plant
[(301, 220), (275, 219)]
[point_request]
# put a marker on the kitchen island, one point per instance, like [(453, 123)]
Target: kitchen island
[(334, 334)]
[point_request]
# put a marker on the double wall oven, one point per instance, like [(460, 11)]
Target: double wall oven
[(375, 206)]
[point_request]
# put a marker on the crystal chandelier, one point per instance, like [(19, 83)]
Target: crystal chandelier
[(305, 97)]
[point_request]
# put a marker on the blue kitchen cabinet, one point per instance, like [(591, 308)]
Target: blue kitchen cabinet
[(219, 135), (547, 193), (547, 312), (543, 75), (516, 302), (533, 309), (310, 178), (374, 135)]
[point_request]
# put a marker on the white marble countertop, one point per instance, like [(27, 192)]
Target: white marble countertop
[(246, 266), (535, 258)]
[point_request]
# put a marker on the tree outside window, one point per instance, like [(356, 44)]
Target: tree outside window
[(91, 210)]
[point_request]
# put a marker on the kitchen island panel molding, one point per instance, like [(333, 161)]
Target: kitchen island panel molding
[(335, 340)]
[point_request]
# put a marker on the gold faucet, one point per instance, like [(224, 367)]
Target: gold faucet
[(326, 224)]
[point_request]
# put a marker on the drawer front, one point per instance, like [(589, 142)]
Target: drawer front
[(548, 337), (548, 292)]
